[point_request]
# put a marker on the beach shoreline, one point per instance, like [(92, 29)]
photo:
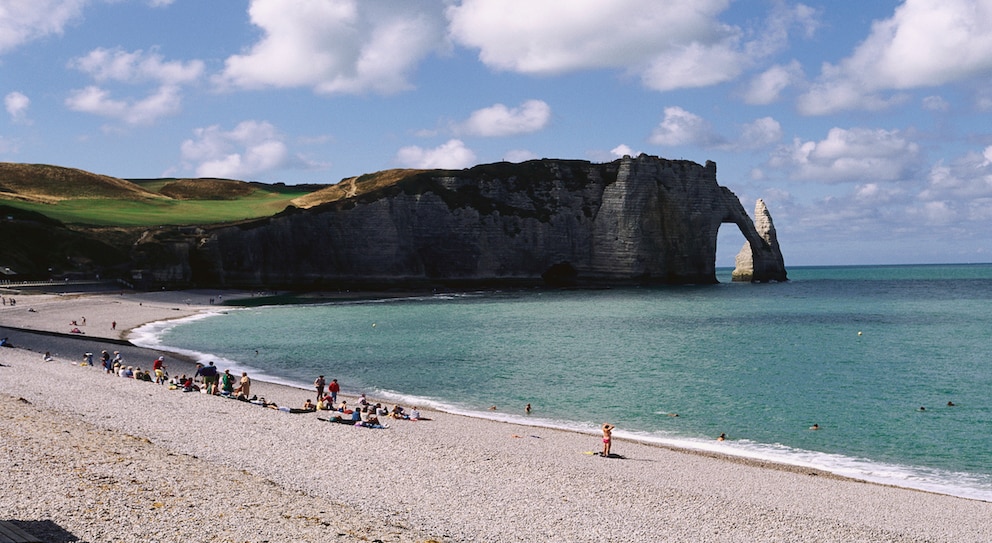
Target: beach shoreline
[(451, 472)]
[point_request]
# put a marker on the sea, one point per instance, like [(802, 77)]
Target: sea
[(893, 363)]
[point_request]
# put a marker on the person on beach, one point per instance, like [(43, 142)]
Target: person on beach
[(607, 438), (48, 356), (158, 366), (334, 388), (245, 385), (210, 377), (318, 384), (104, 358), (227, 383)]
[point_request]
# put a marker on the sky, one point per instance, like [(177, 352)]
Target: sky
[(866, 127)]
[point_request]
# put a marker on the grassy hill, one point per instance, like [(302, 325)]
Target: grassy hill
[(76, 197)]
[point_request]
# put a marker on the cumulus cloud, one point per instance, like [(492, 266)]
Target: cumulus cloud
[(669, 45), (108, 66), (767, 87), (450, 155), (136, 67), (23, 21), (164, 101), (622, 150), (337, 46), (519, 155), (925, 43), (673, 44), (759, 134), (855, 155), (250, 149), (499, 120), (17, 104), (680, 127), (967, 178)]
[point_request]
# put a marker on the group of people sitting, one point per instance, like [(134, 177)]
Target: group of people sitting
[(115, 365), (364, 414)]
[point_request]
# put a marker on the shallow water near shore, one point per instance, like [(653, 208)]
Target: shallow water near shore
[(856, 350)]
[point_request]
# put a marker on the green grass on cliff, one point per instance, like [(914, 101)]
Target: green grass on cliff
[(77, 197), (108, 212)]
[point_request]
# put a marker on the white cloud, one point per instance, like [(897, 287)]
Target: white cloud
[(926, 43), (673, 44), (855, 155), (966, 178), (337, 46), (17, 104), (669, 45), (767, 87), (695, 65), (24, 20), (622, 150), (164, 101), (450, 155), (250, 149), (680, 127), (759, 134), (519, 155), (136, 67), (499, 120), (132, 68)]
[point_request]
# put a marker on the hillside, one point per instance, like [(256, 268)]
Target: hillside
[(354, 186), (46, 184), (82, 199)]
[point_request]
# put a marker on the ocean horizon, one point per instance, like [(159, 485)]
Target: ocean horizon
[(891, 362)]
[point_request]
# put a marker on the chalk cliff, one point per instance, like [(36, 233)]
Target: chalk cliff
[(634, 220), (764, 263)]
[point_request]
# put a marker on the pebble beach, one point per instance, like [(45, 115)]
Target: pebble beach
[(93, 457)]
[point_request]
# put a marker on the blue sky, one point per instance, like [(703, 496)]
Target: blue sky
[(864, 126)]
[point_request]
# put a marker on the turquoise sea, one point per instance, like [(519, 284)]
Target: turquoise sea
[(857, 350)]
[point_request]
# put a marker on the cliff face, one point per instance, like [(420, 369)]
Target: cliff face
[(641, 219)]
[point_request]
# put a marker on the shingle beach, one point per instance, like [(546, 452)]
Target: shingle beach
[(88, 456)]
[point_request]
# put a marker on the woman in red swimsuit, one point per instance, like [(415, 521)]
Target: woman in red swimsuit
[(607, 435)]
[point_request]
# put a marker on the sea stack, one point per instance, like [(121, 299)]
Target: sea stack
[(770, 263)]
